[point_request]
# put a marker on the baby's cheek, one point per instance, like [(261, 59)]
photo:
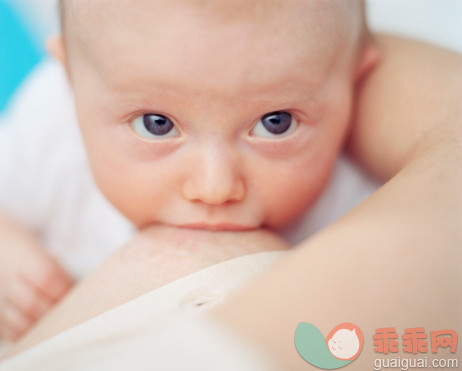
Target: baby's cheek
[(136, 189), (292, 194)]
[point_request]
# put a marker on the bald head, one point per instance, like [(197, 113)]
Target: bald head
[(86, 23), (92, 24), (353, 9)]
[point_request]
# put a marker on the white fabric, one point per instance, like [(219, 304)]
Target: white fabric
[(435, 21), (191, 342), (46, 183), (160, 330)]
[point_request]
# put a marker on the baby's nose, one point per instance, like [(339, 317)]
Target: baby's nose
[(215, 179)]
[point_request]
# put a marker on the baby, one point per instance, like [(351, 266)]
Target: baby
[(216, 115)]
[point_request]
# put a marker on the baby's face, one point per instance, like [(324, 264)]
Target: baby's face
[(209, 113)]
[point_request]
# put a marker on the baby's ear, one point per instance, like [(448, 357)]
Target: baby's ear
[(368, 60), (55, 46)]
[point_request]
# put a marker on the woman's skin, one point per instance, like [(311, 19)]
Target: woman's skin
[(394, 261), (156, 256), (416, 87)]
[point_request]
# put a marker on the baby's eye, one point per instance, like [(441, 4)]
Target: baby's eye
[(154, 126), (275, 125)]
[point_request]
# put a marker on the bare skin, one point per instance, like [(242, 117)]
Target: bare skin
[(416, 87), (156, 256), (31, 281)]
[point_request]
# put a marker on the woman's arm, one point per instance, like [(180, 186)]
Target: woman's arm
[(395, 261), (416, 87)]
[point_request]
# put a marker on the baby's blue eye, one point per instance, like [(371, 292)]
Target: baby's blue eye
[(275, 125), (154, 126)]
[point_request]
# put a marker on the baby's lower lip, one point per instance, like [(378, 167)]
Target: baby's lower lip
[(217, 227)]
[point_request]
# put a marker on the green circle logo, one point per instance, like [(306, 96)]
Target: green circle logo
[(341, 347)]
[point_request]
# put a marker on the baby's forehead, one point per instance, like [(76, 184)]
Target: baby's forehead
[(83, 11), (312, 21), (243, 41)]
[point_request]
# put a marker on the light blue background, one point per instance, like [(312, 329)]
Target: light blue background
[(19, 52)]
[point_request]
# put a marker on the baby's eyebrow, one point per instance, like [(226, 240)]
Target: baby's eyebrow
[(137, 101), (280, 91), (141, 92)]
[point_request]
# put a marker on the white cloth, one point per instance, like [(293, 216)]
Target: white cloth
[(191, 342), (161, 330), (46, 183), (45, 180)]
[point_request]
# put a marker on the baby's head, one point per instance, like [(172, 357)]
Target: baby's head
[(213, 114)]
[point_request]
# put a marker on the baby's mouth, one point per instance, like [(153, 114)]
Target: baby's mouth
[(217, 227)]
